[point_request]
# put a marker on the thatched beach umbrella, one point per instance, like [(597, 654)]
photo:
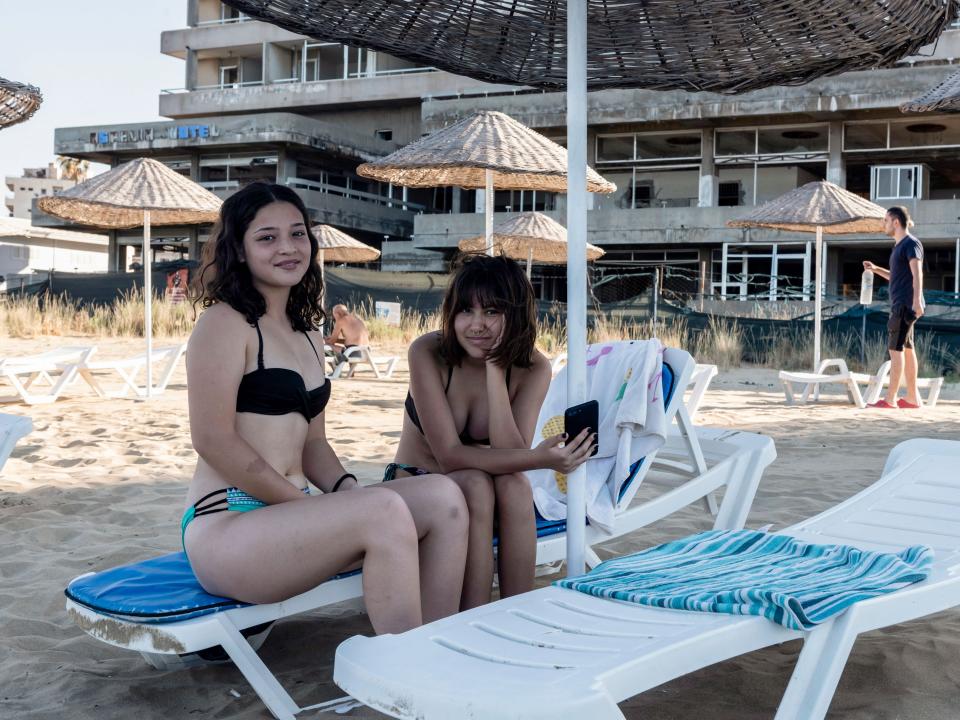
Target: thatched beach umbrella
[(141, 192), (18, 102), (337, 246), (694, 45), (819, 207), (530, 236), (484, 151), (944, 97)]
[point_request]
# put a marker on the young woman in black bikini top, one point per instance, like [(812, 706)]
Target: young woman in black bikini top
[(475, 392), (257, 408)]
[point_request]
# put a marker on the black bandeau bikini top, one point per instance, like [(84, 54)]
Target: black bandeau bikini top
[(278, 391), (465, 437)]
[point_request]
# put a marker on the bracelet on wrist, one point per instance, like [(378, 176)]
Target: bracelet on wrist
[(339, 482)]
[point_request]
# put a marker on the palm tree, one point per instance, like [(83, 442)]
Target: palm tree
[(73, 168)]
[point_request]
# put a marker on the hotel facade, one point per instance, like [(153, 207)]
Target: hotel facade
[(261, 103)]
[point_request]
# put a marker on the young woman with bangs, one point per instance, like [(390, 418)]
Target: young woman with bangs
[(257, 397), (476, 388)]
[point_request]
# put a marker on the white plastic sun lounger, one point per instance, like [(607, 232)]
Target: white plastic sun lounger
[(128, 369), (811, 382), (41, 378), (166, 618), (12, 428), (362, 355), (557, 653), (699, 382), (876, 383)]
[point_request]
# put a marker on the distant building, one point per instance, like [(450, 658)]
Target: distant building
[(35, 183), (260, 102), (28, 254)]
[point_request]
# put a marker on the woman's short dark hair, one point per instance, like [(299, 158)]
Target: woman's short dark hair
[(225, 277), (496, 282)]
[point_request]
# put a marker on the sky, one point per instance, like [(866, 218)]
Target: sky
[(95, 62)]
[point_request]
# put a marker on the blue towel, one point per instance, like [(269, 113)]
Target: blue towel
[(745, 572)]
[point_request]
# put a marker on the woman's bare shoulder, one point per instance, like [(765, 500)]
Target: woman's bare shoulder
[(219, 323), (427, 345)]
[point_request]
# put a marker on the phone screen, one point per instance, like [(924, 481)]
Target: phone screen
[(578, 417)]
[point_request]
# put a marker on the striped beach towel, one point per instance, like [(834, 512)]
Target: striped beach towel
[(746, 572)]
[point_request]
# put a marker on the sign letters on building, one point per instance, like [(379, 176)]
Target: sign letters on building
[(176, 132)]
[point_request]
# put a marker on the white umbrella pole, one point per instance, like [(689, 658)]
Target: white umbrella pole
[(529, 261), (818, 299), (148, 300), (488, 210), (576, 263)]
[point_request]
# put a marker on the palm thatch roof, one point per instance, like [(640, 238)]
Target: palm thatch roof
[(337, 246), (523, 233), (697, 45), (822, 204), (944, 97), (118, 197), (460, 155), (18, 102)]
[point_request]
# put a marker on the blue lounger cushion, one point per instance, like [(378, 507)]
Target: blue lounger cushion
[(159, 590), (554, 527)]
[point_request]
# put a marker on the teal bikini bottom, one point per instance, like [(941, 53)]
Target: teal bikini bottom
[(231, 498)]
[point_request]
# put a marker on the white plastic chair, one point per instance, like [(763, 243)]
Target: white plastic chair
[(12, 428), (359, 355), (876, 383), (557, 653), (128, 370), (812, 381), (40, 379)]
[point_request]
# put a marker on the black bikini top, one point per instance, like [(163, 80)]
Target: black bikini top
[(465, 435), (278, 391)]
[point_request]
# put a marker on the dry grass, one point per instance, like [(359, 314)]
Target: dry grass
[(721, 342), (58, 315)]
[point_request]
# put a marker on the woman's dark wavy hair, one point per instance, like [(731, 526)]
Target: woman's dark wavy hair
[(496, 282), (224, 277)]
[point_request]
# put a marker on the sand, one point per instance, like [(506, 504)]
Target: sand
[(102, 482)]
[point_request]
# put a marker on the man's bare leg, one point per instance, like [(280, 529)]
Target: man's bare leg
[(910, 371), (896, 375)]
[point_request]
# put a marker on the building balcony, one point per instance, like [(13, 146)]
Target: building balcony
[(354, 210), (937, 221), (290, 94), (838, 97), (220, 34)]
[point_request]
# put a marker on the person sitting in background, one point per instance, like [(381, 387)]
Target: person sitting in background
[(349, 331)]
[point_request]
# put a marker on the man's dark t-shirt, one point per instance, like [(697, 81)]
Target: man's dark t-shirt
[(901, 279)]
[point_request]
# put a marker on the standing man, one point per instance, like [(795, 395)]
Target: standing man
[(349, 331), (906, 306)]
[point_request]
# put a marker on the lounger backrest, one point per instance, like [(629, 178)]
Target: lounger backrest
[(682, 365)]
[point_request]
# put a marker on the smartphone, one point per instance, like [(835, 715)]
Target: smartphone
[(578, 417)]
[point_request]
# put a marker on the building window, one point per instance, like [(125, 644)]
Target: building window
[(729, 194), (229, 75), (384, 134), (896, 182), (20, 252)]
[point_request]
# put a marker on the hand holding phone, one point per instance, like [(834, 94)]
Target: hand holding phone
[(579, 417)]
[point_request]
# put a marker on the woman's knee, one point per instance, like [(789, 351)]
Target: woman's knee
[(513, 490), (388, 514), (477, 489), (446, 495)]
